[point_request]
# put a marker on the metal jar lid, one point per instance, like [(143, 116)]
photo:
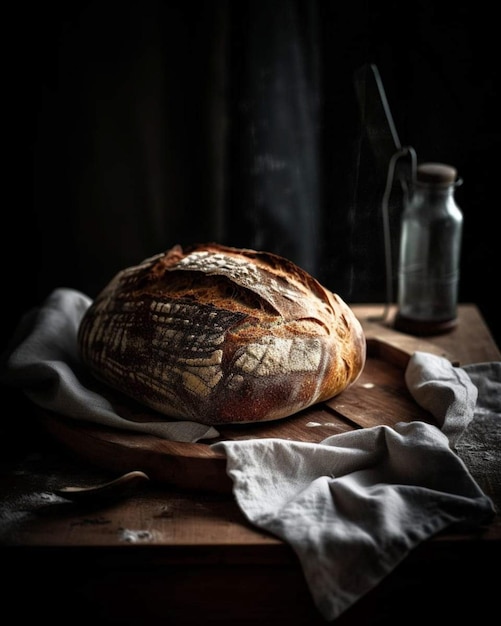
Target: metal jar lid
[(438, 174)]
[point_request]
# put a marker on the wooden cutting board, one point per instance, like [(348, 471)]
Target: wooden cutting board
[(380, 396)]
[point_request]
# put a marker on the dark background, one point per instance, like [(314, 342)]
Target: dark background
[(134, 126)]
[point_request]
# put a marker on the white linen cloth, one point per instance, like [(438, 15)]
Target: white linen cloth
[(353, 506), (42, 360)]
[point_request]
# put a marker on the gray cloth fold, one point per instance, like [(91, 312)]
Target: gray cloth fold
[(353, 506), (42, 360), (480, 444)]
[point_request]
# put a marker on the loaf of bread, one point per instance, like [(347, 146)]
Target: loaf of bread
[(221, 335)]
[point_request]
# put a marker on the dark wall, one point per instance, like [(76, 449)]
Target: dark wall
[(132, 129)]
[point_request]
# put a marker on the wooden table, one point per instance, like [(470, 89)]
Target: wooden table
[(171, 556)]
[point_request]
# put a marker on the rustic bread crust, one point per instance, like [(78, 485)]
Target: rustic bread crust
[(221, 335)]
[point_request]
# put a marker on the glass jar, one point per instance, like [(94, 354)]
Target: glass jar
[(429, 256)]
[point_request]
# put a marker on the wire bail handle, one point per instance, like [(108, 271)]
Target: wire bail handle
[(407, 181)]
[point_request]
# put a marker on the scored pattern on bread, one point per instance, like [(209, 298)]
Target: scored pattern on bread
[(221, 335)]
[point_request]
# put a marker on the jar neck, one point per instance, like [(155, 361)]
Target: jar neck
[(434, 190)]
